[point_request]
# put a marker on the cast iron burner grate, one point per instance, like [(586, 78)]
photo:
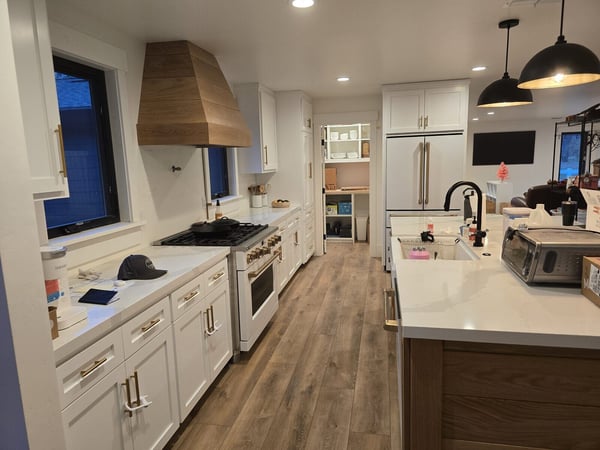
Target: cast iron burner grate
[(229, 238)]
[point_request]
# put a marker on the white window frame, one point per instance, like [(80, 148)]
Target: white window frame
[(232, 169)]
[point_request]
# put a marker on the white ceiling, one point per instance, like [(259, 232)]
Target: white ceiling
[(374, 42)]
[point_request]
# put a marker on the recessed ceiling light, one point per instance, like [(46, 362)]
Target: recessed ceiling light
[(491, 113), (478, 68), (342, 79), (302, 3), (475, 118)]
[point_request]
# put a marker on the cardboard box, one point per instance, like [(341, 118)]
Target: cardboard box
[(330, 178), (331, 209), (590, 279)]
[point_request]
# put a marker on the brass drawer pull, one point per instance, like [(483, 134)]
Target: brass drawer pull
[(85, 372), (216, 276), (151, 325), (190, 296)]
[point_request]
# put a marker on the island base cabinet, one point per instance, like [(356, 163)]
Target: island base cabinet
[(466, 396), (96, 421)]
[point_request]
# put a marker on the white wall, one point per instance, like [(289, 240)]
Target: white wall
[(522, 176)]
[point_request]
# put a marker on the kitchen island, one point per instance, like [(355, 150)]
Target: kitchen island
[(488, 362)]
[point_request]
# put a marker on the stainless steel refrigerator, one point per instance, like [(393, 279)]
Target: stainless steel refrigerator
[(419, 169)]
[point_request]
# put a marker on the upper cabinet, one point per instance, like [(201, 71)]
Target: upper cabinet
[(39, 102), (257, 104), (425, 107)]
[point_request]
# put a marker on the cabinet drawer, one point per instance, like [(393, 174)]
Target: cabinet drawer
[(78, 374), (216, 276), (188, 295), (145, 326)]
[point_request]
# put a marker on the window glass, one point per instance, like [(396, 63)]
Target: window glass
[(219, 172), (88, 152)]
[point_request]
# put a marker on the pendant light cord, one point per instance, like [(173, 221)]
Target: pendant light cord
[(506, 57), (561, 37)]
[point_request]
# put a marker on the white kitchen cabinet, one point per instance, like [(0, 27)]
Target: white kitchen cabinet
[(39, 101), (425, 107), (96, 420), (203, 342), (295, 144), (290, 258), (155, 415), (308, 244), (217, 333), (257, 105), (144, 383)]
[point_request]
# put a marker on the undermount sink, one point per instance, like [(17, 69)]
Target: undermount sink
[(443, 247)]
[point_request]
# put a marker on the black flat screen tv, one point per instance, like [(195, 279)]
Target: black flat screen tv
[(512, 147)]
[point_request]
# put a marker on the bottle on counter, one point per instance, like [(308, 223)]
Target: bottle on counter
[(218, 212)]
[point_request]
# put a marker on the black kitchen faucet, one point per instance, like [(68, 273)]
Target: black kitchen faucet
[(479, 234)]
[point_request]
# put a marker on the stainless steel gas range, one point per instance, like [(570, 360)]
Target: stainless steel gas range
[(254, 251)]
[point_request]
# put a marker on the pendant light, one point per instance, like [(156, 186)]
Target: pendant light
[(504, 92), (560, 65)]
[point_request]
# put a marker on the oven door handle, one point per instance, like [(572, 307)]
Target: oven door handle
[(265, 266)]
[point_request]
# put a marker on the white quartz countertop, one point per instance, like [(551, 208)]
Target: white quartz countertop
[(482, 300), (182, 264), (268, 216)]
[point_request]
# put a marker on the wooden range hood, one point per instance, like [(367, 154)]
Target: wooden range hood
[(186, 100)]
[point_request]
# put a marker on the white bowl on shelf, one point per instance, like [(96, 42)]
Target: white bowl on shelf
[(337, 156), (344, 137), (353, 134), (334, 136)]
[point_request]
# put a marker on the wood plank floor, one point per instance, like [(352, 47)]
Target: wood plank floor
[(322, 376)]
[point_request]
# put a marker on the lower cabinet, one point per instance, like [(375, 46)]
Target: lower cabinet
[(132, 388), (134, 406), (291, 256), (203, 346), (97, 419)]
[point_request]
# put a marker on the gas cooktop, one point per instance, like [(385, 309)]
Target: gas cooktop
[(229, 238)]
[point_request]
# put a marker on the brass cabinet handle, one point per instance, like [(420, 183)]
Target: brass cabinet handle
[(390, 323), (128, 404), (420, 122), (141, 401), (190, 296), (427, 160), (136, 382), (296, 242), (150, 325), (85, 372), (310, 171), (309, 123), (266, 156), (212, 329), (61, 144), (426, 122), (216, 276), (421, 157)]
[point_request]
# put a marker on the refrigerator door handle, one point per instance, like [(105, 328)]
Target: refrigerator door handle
[(421, 158), (427, 157)]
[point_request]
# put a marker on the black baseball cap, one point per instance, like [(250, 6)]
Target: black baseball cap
[(138, 267)]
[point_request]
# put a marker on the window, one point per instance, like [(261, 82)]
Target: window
[(219, 172), (83, 109)]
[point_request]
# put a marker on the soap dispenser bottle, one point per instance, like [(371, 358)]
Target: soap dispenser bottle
[(218, 212)]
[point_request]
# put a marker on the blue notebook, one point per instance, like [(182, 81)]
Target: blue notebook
[(99, 296)]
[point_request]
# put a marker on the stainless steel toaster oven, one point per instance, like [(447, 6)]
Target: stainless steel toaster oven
[(549, 255)]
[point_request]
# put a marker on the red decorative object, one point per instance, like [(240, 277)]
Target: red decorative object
[(502, 173)]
